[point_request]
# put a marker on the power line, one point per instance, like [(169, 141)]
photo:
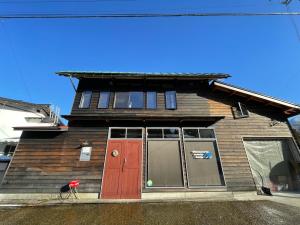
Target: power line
[(58, 1), (141, 15)]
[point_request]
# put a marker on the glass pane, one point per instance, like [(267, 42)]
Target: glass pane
[(244, 111), (104, 100), (117, 133), (136, 100), (155, 133), (164, 163), (171, 133), (121, 100), (170, 100), (85, 100), (151, 100), (191, 133), (129, 100), (134, 133), (206, 133)]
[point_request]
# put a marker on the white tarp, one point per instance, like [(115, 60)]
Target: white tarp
[(272, 164)]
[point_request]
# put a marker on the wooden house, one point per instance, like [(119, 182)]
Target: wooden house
[(133, 134)]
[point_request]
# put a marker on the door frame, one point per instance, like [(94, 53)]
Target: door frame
[(142, 150), (182, 159), (250, 137), (215, 141)]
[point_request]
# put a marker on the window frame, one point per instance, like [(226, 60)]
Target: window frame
[(146, 102), (139, 108), (108, 100), (182, 166), (126, 129), (175, 95), (238, 109), (81, 99)]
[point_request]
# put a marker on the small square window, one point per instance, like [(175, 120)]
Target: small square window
[(240, 111), (191, 133), (155, 133), (206, 133), (118, 133), (134, 133), (171, 133), (85, 100)]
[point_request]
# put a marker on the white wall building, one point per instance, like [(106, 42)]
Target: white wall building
[(14, 113)]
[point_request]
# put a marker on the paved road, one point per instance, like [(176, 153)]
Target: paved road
[(187, 213)]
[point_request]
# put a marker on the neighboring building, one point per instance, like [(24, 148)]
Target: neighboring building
[(134, 134), (15, 113)]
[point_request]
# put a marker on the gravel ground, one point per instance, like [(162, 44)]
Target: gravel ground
[(187, 213)]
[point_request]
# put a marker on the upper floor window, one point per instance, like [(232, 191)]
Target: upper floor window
[(129, 100), (85, 100), (104, 100), (240, 111), (170, 97), (151, 100)]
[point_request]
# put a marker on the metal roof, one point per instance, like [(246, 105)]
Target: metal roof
[(139, 75), (254, 94)]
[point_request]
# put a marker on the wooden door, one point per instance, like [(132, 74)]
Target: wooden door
[(122, 172)]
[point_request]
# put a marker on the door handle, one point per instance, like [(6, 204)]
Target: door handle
[(124, 161)]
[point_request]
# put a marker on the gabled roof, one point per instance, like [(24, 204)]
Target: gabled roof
[(288, 107), (26, 106), (138, 75)]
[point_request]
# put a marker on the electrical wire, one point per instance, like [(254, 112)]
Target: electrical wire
[(293, 23), (141, 15)]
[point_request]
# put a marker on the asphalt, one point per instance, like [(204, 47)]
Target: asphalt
[(173, 213)]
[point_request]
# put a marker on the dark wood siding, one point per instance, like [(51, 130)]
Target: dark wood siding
[(230, 133), (45, 161), (189, 100)]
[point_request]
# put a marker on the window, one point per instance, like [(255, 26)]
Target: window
[(104, 100), (240, 111), (196, 133), (163, 133), (126, 133), (170, 97), (129, 100), (151, 100), (85, 100), (9, 150)]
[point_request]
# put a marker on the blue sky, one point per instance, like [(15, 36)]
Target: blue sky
[(261, 53)]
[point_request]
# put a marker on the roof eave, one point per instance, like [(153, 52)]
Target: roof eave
[(293, 108), (135, 75)]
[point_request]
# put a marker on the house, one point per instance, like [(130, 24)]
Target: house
[(132, 135), (18, 113)]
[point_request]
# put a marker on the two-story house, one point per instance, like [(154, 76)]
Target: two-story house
[(134, 134)]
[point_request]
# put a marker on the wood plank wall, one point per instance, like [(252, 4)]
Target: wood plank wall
[(188, 99), (230, 133), (43, 162)]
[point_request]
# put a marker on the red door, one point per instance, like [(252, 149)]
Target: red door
[(122, 172)]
